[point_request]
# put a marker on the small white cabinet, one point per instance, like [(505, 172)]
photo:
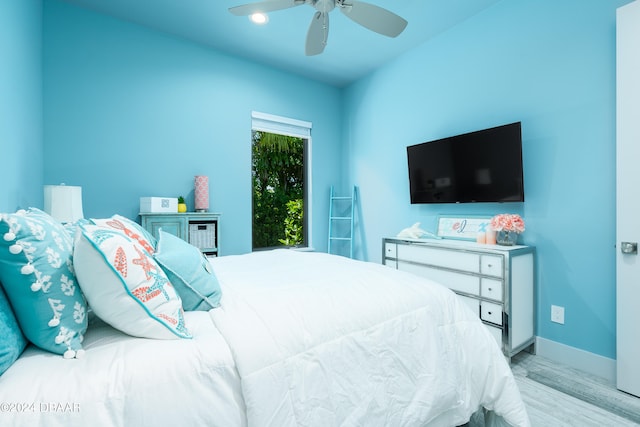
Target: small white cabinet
[(497, 282), (198, 228)]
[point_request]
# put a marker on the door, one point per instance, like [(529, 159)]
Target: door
[(628, 198)]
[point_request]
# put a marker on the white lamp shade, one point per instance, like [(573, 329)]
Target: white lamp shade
[(63, 202)]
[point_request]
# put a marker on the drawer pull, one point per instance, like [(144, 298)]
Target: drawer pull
[(489, 313), (490, 289), (489, 265)]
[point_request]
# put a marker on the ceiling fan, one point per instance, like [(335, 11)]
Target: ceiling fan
[(368, 15)]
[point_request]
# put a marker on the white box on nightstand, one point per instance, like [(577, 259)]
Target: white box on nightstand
[(159, 204)]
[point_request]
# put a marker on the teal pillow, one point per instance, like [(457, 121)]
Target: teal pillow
[(36, 270), (12, 342), (189, 271)]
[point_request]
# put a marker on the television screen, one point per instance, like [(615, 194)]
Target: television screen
[(480, 166)]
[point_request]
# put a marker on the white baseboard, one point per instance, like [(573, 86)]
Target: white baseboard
[(592, 363)]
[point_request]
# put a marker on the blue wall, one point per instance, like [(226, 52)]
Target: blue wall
[(131, 112), (20, 104), (548, 64)]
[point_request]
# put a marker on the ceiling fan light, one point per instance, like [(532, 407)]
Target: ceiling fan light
[(259, 18)]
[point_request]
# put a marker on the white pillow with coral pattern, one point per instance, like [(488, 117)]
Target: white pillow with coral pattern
[(124, 285)]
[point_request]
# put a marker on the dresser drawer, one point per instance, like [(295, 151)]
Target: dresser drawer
[(456, 260), (492, 289), (491, 312), (390, 250), (172, 224), (458, 282), (491, 265)]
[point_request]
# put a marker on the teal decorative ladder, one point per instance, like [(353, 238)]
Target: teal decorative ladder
[(341, 224)]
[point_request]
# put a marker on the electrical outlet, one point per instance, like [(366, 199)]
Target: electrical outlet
[(557, 314)]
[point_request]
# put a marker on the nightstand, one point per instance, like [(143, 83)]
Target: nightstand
[(198, 228)]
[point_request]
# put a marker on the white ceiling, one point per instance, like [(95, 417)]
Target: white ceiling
[(352, 51)]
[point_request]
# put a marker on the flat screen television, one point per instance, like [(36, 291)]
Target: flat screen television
[(480, 166)]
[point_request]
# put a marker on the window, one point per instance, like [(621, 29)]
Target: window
[(280, 182)]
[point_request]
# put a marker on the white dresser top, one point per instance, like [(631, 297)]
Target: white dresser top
[(462, 244)]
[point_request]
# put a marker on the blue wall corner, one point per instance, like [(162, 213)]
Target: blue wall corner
[(21, 104)]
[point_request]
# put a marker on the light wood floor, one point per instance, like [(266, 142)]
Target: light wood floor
[(557, 395)]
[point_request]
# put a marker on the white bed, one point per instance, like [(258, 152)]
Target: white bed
[(300, 339)]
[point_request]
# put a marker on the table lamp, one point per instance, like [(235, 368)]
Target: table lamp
[(63, 202)]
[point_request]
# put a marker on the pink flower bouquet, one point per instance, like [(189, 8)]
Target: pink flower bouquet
[(507, 222)]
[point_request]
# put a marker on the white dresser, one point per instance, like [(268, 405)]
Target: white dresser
[(497, 282)]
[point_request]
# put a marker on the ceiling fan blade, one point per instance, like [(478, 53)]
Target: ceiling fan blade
[(373, 17), (317, 34), (264, 7)]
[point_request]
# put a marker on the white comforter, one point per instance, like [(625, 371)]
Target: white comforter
[(320, 340), (301, 339)]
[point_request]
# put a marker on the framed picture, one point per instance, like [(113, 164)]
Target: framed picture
[(463, 228)]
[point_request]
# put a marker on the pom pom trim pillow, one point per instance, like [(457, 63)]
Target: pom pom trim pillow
[(36, 271), (189, 271), (12, 342), (124, 286)]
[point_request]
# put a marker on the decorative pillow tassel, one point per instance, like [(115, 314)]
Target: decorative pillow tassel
[(36, 286), (27, 269), (73, 354)]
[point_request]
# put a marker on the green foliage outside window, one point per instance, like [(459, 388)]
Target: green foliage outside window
[(294, 233), (278, 191)]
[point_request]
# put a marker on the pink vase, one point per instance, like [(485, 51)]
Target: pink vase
[(201, 193)]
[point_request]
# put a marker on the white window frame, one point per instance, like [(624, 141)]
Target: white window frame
[(264, 122)]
